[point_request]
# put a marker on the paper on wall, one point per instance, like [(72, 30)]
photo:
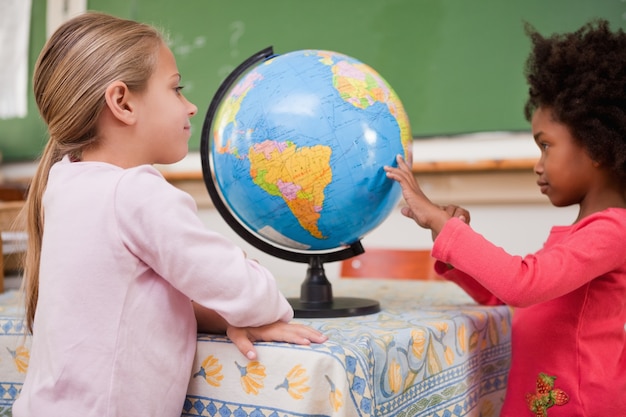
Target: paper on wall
[(14, 33), (58, 11)]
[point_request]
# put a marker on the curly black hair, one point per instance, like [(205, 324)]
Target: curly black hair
[(581, 78)]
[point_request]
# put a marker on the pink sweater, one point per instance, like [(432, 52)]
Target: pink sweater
[(123, 253), (570, 300)]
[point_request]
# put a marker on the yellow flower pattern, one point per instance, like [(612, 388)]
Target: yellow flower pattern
[(394, 376), (211, 371), (494, 336), (21, 356), (433, 360), (335, 397), (296, 382), (436, 345), (418, 341), (460, 334), (473, 341), (252, 376), (442, 326)]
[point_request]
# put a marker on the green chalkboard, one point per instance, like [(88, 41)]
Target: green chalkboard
[(457, 65)]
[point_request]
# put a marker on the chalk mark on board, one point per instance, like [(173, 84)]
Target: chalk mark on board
[(238, 28), (224, 71), (183, 48)]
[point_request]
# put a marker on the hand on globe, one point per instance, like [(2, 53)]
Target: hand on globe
[(419, 207)]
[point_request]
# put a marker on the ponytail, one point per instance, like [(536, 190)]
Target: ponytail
[(33, 217)]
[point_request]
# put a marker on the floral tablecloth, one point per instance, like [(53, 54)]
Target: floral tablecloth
[(431, 351)]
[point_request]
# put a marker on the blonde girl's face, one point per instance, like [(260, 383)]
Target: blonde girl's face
[(164, 113)]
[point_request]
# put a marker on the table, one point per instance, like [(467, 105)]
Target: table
[(431, 351)]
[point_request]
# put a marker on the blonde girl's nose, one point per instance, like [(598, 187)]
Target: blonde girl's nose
[(193, 109)]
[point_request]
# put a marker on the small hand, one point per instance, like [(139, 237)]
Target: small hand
[(243, 337), (453, 211), (419, 207), (456, 211)]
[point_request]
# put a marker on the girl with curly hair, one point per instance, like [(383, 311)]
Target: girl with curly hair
[(568, 337)]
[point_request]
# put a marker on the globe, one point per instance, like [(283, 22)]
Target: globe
[(293, 150)]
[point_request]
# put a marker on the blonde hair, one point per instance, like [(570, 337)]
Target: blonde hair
[(74, 68)]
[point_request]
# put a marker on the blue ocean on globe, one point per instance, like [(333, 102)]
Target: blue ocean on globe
[(299, 145)]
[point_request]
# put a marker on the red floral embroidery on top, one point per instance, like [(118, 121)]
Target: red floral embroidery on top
[(546, 396)]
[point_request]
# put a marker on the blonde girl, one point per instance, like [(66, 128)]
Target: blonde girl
[(116, 254)]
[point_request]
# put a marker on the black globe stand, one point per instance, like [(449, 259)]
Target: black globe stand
[(316, 294), (317, 301)]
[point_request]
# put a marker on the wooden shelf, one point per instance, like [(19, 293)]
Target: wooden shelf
[(13, 191), (9, 261), (476, 166)]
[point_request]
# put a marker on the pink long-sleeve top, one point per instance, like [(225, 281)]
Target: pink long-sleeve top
[(569, 316), (123, 255)]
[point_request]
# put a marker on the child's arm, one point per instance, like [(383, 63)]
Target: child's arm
[(242, 337), (208, 320), (430, 216), (472, 287), (202, 264)]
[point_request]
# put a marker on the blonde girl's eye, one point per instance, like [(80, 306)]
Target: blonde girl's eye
[(179, 89)]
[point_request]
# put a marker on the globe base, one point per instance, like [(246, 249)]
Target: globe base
[(316, 296), (337, 307)]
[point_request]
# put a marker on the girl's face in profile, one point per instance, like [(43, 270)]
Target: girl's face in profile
[(164, 113), (566, 172)]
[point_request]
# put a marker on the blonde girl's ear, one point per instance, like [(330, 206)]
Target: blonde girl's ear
[(118, 100)]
